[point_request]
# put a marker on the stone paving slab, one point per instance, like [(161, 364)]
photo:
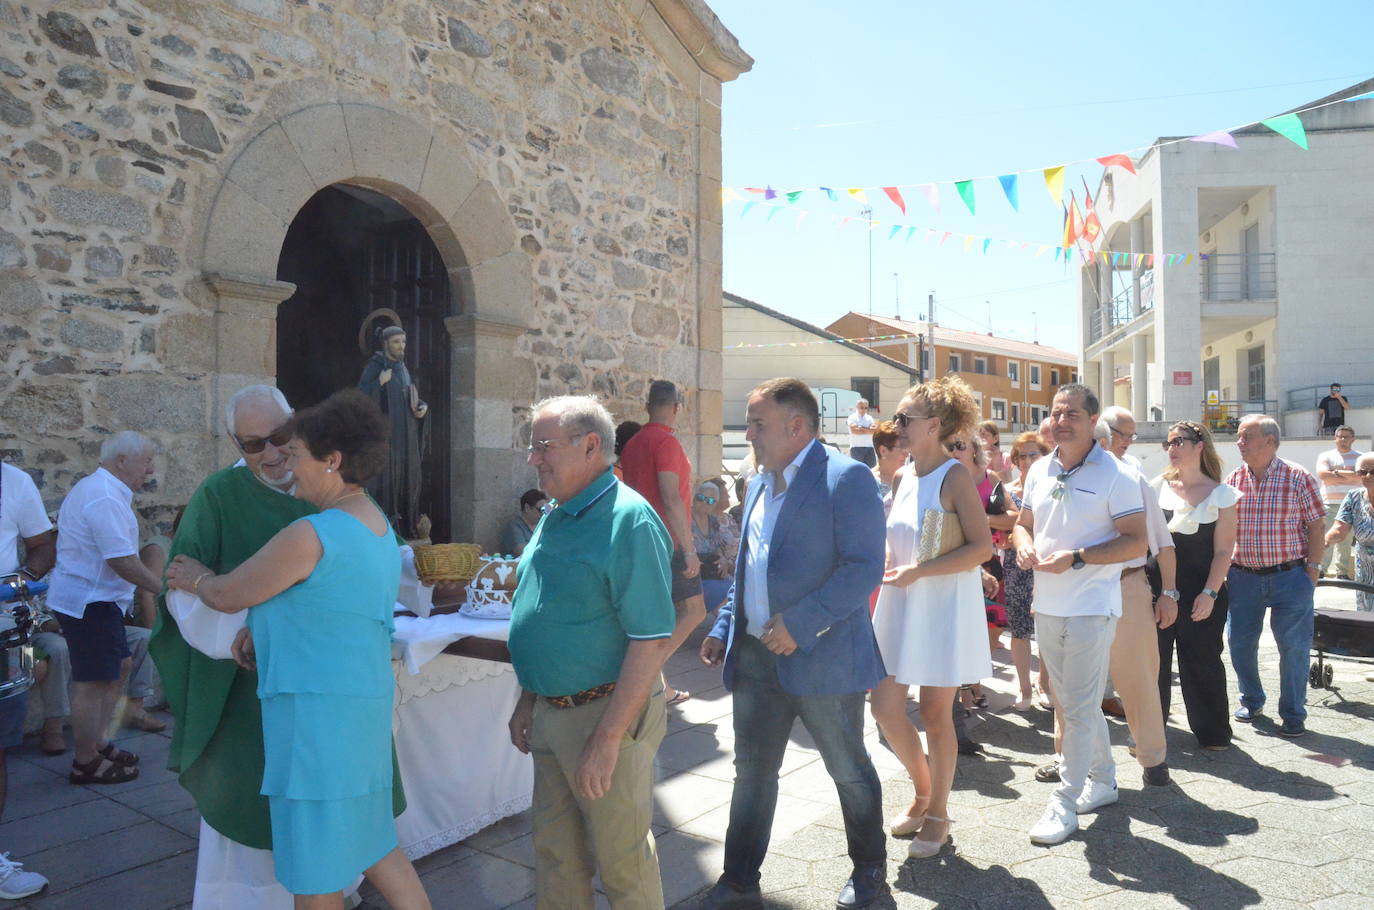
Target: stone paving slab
[(1274, 822)]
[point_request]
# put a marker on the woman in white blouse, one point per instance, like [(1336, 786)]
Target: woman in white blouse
[(1202, 516)]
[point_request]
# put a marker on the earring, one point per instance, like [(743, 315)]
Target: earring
[(329, 470)]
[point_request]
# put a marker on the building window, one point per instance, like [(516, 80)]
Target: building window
[(1015, 413), (1014, 373), (1054, 376), (999, 410), (925, 361), (1036, 415), (1035, 376), (1073, 377), (980, 365), (954, 363), (867, 387)]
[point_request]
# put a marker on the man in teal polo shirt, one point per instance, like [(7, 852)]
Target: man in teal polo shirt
[(591, 626)]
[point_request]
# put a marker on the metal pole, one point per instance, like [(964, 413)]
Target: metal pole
[(896, 296), (867, 213)]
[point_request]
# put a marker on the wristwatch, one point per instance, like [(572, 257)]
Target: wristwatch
[(1210, 593), (1171, 593), (1078, 562)]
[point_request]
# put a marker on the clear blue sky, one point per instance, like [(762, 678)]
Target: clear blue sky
[(875, 92)]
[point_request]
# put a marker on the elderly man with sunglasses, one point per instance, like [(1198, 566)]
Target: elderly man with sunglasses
[(1082, 518), (217, 749)]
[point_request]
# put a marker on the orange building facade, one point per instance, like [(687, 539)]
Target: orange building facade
[(1014, 381)]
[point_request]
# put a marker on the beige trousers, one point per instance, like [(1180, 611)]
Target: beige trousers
[(1134, 668), (575, 838)]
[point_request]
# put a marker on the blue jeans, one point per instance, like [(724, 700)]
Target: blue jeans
[(1288, 595), (764, 714)]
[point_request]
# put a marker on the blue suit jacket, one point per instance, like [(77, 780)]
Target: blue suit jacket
[(825, 558)]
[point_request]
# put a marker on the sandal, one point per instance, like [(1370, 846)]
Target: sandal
[(679, 696), (117, 756), (111, 773)]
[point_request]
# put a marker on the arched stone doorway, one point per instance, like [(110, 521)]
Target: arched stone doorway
[(361, 261), (242, 222)]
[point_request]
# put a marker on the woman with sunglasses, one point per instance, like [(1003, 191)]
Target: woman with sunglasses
[(1202, 518), (715, 541), (1357, 515), (929, 621), (1019, 584)]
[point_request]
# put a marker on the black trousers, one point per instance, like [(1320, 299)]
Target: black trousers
[(1201, 673)]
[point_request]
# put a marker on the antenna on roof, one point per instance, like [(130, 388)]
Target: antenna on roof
[(1035, 327)]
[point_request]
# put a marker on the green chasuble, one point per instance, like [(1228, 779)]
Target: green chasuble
[(217, 748)]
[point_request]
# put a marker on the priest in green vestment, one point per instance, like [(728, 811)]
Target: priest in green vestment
[(217, 747)]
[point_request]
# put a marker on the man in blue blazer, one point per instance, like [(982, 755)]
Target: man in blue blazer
[(796, 641)]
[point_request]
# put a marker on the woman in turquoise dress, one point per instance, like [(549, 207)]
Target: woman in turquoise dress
[(321, 594)]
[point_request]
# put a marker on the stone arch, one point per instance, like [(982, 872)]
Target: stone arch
[(292, 155)]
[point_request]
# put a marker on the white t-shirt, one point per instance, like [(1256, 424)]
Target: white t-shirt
[(1094, 495), (21, 515), (861, 440), (96, 523), (1334, 493)]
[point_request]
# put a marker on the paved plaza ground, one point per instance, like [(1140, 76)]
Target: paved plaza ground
[(1272, 822)]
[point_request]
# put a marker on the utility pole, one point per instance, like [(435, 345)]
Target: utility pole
[(867, 213), (930, 333)]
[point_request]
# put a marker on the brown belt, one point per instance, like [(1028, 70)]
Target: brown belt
[(1132, 570), (578, 699)]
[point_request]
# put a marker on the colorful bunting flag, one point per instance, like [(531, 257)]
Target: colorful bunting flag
[(1122, 161), (1009, 187), (909, 231), (1289, 126), (932, 194), (747, 206), (858, 193), (987, 241), (965, 190), (728, 194), (829, 192), (968, 242), (770, 193), (1054, 182), (1220, 137), (793, 196), (893, 233), (773, 212), (896, 197)]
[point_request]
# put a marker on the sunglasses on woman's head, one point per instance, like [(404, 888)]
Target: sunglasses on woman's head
[(252, 445), (709, 500)]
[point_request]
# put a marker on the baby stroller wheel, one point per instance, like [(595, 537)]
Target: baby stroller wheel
[(1327, 675), (1314, 676)]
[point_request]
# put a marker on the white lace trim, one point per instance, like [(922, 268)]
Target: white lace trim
[(444, 672), (1188, 518), (459, 833)]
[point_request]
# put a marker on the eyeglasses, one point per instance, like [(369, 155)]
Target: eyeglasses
[(1177, 441), (542, 446), (702, 497), (1130, 436), (252, 445), (1366, 472), (957, 445), (903, 419)]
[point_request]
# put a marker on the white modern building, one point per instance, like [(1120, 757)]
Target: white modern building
[(1274, 303)]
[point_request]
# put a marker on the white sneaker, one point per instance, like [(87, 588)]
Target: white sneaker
[(1055, 826), (15, 882), (1095, 796)]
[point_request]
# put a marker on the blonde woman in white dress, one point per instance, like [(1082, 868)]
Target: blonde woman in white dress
[(929, 622)]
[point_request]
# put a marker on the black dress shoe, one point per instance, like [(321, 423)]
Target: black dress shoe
[(864, 887), (725, 896)]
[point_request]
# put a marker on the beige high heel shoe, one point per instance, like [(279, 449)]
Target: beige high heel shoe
[(924, 849), (902, 825)]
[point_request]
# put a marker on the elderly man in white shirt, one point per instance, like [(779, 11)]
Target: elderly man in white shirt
[(1083, 517), (92, 589)]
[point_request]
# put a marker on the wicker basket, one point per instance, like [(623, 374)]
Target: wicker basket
[(447, 562)]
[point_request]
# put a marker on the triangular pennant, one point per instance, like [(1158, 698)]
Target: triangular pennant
[(793, 196), (968, 242), (893, 233), (773, 211), (909, 231), (965, 190), (987, 241), (1122, 161), (932, 194), (770, 193), (1220, 137), (1289, 126), (728, 194), (1040, 251), (829, 192), (895, 195), (1009, 186), (945, 236), (747, 206), (753, 189), (1188, 260), (1054, 182), (858, 193), (1057, 251)]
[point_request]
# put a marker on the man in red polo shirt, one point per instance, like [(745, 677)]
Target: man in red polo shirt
[(656, 467)]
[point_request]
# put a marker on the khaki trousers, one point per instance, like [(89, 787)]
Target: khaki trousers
[(1134, 668), (576, 838)]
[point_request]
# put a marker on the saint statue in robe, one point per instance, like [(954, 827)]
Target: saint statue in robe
[(386, 379)]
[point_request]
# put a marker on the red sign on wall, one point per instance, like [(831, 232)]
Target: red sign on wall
[(1183, 377)]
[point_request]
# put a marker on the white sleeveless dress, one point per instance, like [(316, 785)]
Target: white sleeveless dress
[(934, 631)]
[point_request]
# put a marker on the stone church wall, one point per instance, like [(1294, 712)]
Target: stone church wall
[(582, 140)]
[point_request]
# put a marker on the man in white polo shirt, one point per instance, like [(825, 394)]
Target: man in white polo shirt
[(861, 425), (1083, 517), (92, 589)]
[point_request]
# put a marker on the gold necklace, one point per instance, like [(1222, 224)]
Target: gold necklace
[(343, 497)]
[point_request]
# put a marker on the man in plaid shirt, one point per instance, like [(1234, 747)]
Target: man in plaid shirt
[(1276, 564)]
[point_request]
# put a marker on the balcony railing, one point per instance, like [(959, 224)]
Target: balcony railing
[(1233, 277), (1359, 394), (1120, 311)]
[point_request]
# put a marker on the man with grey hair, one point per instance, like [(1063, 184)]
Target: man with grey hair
[(861, 426), (92, 590), (591, 626), (1280, 525), (1116, 431), (216, 749)]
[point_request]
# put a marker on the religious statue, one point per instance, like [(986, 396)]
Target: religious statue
[(386, 379)]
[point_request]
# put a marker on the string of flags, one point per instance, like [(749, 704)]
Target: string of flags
[(1287, 125), (803, 344)]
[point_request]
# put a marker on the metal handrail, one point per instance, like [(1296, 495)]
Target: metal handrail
[(1225, 416), (1307, 397), (1234, 277)]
